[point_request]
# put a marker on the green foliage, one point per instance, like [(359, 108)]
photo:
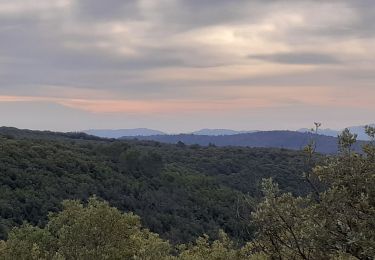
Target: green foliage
[(221, 249), (98, 231), (94, 231), (184, 192), (180, 192), (335, 221), (340, 224), (28, 242), (285, 226), (346, 141), (203, 249)]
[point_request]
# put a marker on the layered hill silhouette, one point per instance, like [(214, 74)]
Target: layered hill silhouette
[(207, 131), (135, 132), (358, 130), (291, 140), (116, 133), (275, 139)]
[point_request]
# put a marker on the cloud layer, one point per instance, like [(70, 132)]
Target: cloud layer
[(188, 60)]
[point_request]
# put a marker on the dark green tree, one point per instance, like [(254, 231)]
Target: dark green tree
[(340, 224)]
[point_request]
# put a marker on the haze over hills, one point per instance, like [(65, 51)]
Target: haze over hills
[(216, 132), (276, 139), (359, 130), (117, 133), (294, 140), (327, 131)]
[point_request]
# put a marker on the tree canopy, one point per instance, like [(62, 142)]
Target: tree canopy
[(335, 220), (338, 223), (179, 192)]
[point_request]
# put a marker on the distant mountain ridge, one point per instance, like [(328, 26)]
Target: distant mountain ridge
[(359, 130), (276, 139), (216, 132), (263, 139), (117, 133), (294, 140)]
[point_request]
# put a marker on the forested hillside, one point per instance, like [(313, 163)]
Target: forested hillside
[(335, 220), (178, 191), (15, 133)]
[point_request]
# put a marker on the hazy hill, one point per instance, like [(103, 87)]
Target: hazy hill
[(215, 132), (142, 132), (359, 130), (116, 133), (326, 131), (277, 139)]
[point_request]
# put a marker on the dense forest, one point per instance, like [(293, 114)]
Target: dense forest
[(241, 203), (178, 191)]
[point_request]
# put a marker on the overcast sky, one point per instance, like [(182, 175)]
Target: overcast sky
[(180, 65)]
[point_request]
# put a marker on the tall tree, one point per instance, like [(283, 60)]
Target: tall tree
[(341, 223)]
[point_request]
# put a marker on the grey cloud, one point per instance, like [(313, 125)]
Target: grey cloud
[(303, 58), (107, 10), (33, 54), (196, 13), (362, 26), (180, 15), (32, 49), (365, 26)]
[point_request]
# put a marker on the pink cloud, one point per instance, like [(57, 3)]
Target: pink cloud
[(232, 100), (161, 106)]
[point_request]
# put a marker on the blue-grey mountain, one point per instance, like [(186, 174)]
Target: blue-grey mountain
[(277, 139), (117, 133)]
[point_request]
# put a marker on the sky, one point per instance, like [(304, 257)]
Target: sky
[(182, 65)]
